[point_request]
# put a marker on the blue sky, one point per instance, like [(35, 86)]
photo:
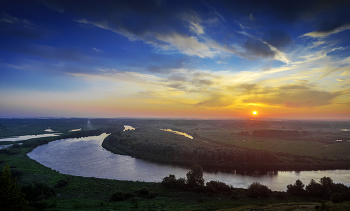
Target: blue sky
[(192, 59)]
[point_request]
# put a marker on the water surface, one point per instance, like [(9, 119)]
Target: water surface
[(26, 137), (128, 127), (85, 157), (179, 133)]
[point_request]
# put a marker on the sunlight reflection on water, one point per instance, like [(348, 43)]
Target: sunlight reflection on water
[(177, 132), (26, 137), (128, 127)]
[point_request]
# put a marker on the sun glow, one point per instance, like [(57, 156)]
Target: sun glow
[(255, 112)]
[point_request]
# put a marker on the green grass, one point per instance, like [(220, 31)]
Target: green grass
[(299, 146)]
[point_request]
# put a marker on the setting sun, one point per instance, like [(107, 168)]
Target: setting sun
[(255, 112)]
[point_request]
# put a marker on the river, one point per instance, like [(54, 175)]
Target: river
[(86, 157)]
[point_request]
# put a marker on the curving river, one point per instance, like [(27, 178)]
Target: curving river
[(86, 157)]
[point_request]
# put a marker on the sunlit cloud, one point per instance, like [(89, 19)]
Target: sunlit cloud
[(329, 31)]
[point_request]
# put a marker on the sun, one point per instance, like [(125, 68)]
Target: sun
[(255, 112)]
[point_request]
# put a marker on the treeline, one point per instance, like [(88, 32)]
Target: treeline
[(278, 133), (274, 133), (325, 189)]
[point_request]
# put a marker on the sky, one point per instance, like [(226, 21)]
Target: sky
[(175, 59)]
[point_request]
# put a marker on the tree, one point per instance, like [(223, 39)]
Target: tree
[(314, 189), (195, 176), (326, 183), (297, 189), (172, 182), (257, 190), (11, 197)]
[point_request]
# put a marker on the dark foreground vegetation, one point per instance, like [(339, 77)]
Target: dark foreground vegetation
[(32, 186), (171, 194)]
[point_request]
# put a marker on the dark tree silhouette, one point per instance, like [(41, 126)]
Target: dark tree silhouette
[(297, 189), (195, 176), (257, 190)]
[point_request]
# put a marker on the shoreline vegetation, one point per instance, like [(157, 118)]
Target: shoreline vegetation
[(47, 189)]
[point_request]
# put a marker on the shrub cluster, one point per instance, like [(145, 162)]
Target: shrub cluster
[(37, 191), (257, 190), (120, 195)]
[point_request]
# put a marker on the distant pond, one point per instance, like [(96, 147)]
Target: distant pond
[(86, 157)]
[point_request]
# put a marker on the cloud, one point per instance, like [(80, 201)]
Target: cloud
[(216, 100), (13, 20), (97, 50), (19, 27), (257, 48), (162, 25), (325, 32), (251, 17), (292, 96), (188, 45), (196, 28), (260, 48)]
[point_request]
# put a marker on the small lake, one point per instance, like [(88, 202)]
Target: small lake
[(86, 157)]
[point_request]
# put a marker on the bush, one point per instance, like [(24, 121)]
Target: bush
[(15, 173), (121, 195), (216, 186), (144, 191), (118, 196), (172, 182), (61, 183), (38, 191), (257, 190), (340, 197), (280, 195)]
